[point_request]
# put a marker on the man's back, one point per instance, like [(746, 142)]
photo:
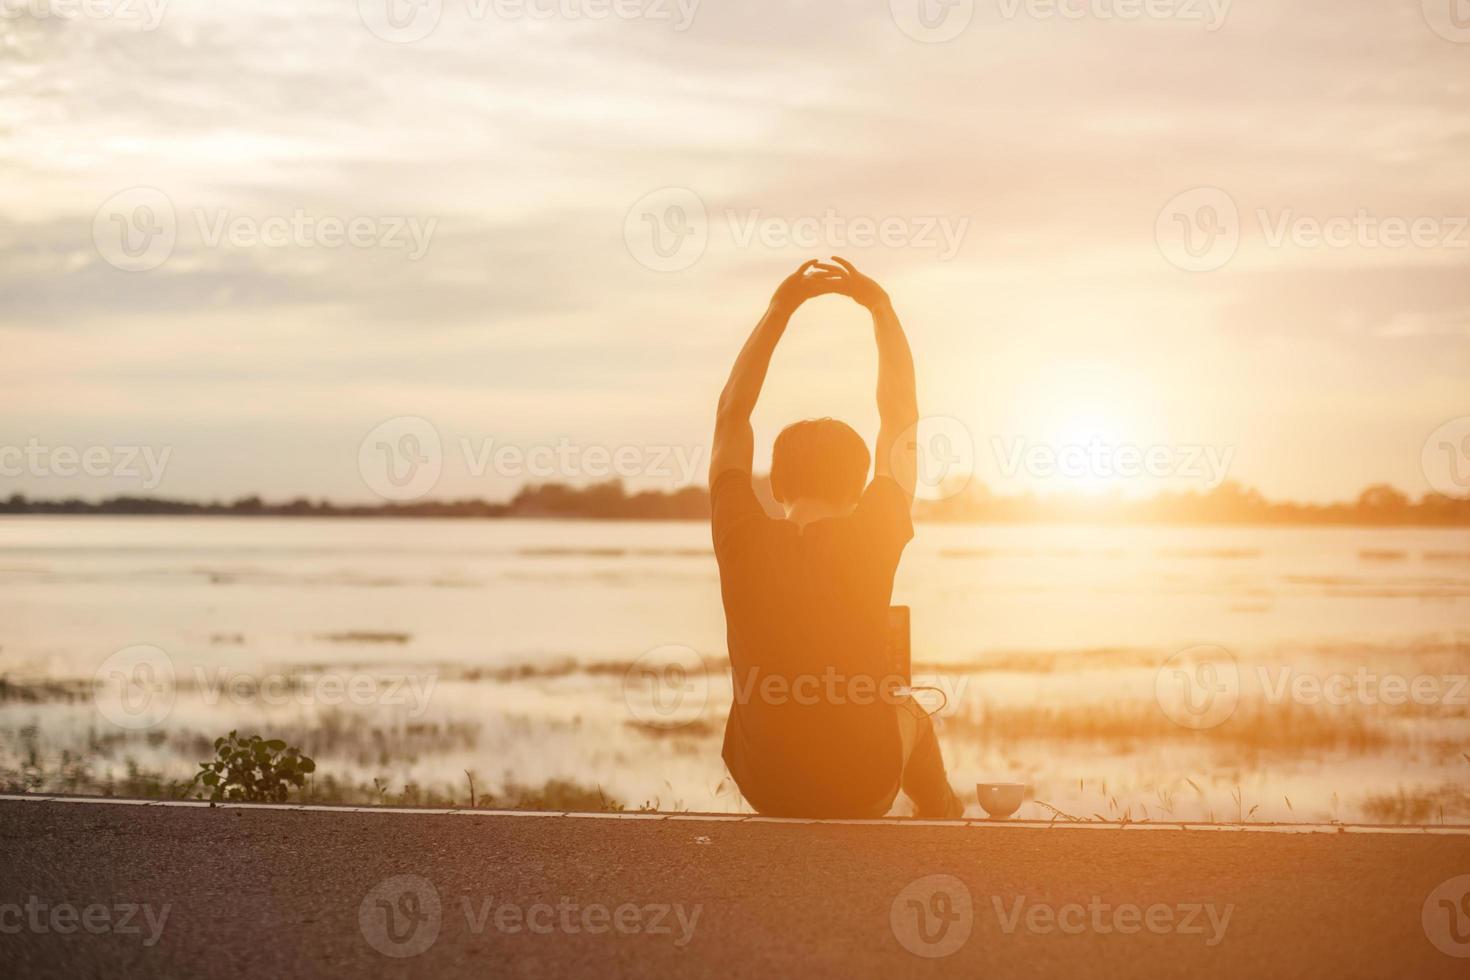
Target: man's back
[(806, 609)]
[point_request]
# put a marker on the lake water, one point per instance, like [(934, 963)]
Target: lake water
[(408, 652)]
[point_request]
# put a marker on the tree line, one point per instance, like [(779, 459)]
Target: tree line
[(1229, 503)]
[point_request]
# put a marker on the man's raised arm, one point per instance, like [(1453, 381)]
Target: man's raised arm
[(734, 442), (896, 454)]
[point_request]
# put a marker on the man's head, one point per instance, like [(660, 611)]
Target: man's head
[(821, 460)]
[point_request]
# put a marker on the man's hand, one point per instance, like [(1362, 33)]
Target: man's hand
[(853, 283), (813, 279)]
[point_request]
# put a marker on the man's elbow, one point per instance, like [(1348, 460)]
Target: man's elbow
[(729, 411), (899, 418)]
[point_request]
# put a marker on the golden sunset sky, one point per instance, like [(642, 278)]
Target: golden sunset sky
[(1062, 153)]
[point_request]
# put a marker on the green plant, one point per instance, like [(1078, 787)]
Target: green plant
[(253, 769)]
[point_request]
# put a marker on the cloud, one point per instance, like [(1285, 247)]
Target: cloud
[(526, 142)]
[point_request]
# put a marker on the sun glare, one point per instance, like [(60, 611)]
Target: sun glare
[(1083, 413)]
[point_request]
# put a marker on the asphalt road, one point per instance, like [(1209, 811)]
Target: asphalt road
[(118, 890)]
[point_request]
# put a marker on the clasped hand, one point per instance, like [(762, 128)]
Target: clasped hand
[(817, 278)]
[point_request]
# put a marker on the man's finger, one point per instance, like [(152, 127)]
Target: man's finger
[(806, 265), (830, 268), (846, 265)]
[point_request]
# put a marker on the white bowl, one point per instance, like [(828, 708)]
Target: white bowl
[(1000, 800)]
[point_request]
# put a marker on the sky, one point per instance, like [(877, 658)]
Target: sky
[(445, 247)]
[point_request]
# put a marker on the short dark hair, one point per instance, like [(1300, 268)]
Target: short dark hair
[(820, 458)]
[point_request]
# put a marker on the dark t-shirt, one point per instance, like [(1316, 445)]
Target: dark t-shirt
[(806, 616)]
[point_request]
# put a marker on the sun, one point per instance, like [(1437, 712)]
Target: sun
[(1088, 426), (1077, 417), (1084, 443)]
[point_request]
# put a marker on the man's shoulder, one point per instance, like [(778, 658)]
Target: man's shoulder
[(735, 511), (730, 483)]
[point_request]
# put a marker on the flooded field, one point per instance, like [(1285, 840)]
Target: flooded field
[(1148, 673)]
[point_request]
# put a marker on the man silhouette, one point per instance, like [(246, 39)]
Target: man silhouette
[(816, 730)]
